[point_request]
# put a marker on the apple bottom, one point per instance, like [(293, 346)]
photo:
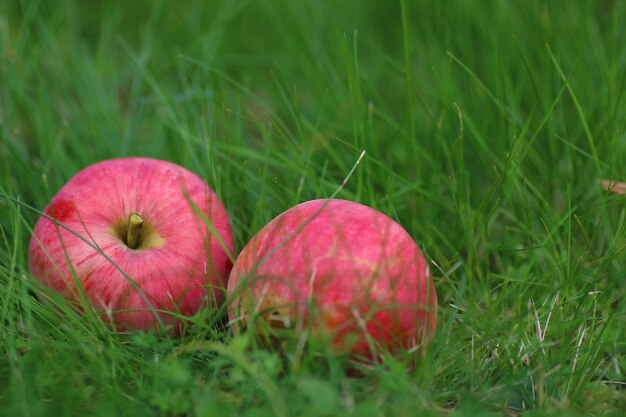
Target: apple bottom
[(135, 314), (126, 307), (364, 328)]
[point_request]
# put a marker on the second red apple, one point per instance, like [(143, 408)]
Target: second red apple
[(341, 269)]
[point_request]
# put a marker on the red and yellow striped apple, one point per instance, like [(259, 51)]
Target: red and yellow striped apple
[(140, 213), (340, 268)]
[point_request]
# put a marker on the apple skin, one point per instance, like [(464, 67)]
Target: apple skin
[(359, 270), (179, 266)]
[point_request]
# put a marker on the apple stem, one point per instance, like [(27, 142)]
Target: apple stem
[(133, 230)]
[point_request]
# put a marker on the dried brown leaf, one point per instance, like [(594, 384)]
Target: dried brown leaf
[(613, 186)]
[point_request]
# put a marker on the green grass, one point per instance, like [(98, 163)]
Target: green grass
[(485, 126)]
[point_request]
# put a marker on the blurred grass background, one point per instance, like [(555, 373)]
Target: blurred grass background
[(485, 126)]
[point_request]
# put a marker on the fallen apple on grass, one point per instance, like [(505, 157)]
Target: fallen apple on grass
[(150, 219), (340, 269)]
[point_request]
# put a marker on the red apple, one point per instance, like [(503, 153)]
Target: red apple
[(140, 212), (344, 270)]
